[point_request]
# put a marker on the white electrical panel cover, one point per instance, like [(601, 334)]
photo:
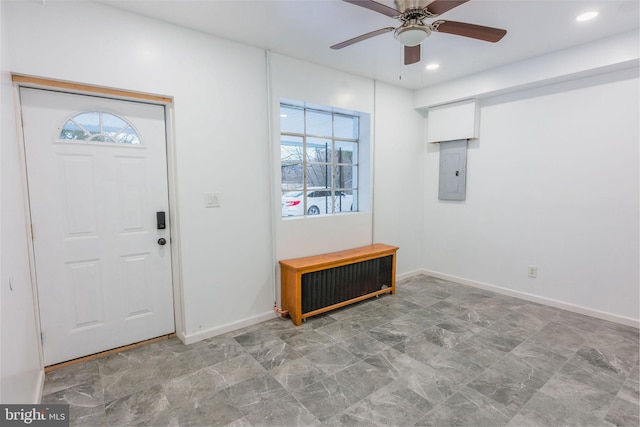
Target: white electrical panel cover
[(453, 121), (452, 183)]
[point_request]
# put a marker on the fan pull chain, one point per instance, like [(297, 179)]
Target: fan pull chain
[(401, 61)]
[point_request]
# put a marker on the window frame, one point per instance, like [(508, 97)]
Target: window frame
[(332, 164)]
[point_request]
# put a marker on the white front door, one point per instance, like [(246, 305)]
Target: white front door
[(97, 176)]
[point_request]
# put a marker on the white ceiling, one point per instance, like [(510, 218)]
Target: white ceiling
[(305, 29)]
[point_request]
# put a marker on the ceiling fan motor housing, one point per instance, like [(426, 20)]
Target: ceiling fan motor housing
[(404, 5), (413, 30)]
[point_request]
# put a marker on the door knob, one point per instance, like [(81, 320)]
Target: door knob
[(162, 241)]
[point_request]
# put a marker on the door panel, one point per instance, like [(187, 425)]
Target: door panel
[(84, 280), (103, 281), (77, 187), (136, 272), (131, 192)]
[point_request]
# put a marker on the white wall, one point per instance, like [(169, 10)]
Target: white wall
[(552, 182), (398, 181), (21, 375)]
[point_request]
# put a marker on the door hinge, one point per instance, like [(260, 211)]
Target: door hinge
[(32, 232), (42, 338)]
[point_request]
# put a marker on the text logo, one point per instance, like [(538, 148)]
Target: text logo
[(53, 415)]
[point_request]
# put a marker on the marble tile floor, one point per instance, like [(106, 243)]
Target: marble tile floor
[(435, 354)]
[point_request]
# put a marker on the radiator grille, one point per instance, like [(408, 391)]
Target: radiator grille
[(332, 286)]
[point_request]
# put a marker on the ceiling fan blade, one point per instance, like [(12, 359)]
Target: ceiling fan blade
[(474, 31), (411, 54), (438, 7), (376, 7), (362, 37)]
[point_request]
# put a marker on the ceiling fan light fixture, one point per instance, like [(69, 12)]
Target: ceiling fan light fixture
[(412, 35)]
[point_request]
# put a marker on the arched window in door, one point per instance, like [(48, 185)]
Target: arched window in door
[(99, 126)]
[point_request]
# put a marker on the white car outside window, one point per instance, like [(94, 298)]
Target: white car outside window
[(319, 201)]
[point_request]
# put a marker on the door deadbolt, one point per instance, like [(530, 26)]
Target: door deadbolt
[(161, 221)]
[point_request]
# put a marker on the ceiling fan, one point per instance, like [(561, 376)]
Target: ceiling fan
[(413, 30)]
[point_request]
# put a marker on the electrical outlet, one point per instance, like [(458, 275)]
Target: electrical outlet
[(533, 271)]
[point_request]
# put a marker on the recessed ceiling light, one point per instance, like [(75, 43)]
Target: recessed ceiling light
[(586, 16), (432, 66)]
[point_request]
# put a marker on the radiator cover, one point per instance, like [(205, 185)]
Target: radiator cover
[(316, 284), (335, 285)]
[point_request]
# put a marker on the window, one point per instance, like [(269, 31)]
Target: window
[(98, 126), (318, 160)]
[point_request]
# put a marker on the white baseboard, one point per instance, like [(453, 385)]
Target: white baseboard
[(40, 387), (219, 330), (536, 298), (409, 274), (181, 336)]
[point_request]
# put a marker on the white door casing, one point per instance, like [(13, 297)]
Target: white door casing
[(103, 279)]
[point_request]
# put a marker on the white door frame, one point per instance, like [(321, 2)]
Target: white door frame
[(83, 89)]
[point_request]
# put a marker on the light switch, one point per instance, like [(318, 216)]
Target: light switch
[(211, 200)]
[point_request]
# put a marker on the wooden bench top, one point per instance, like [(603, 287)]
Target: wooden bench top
[(316, 262)]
